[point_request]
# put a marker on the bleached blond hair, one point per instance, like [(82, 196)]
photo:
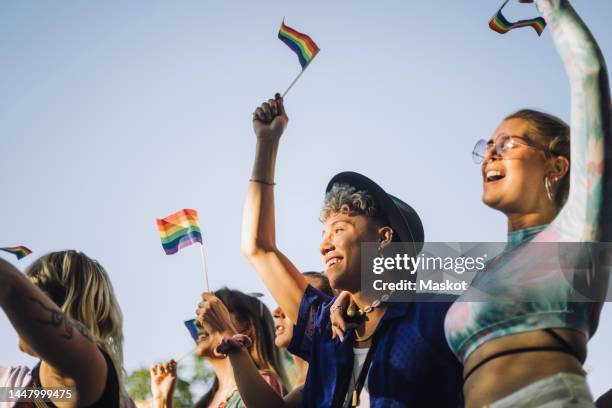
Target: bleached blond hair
[(81, 288)]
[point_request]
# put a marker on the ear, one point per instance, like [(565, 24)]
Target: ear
[(559, 167), (385, 236)]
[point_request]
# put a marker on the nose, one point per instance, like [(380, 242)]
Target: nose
[(278, 313), (326, 245), (490, 154)]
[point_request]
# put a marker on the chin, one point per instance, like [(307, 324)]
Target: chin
[(342, 281), (282, 342)]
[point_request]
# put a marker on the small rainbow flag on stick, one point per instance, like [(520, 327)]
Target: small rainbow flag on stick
[(19, 251), (179, 230), (501, 25), (301, 44)]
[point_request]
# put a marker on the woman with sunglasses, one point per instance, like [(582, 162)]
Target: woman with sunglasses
[(228, 320), (526, 344), (256, 389)]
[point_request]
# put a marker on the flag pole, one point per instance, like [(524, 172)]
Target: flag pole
[(299, 75), (204, 267), (184, 356)]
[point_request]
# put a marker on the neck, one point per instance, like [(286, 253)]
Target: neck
[(224, 372), (302, 368), (519, 221)]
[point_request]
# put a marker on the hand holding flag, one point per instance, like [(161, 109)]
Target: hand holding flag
[(270, 119)]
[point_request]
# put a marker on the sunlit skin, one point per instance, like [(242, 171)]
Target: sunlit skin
[(23, 346), (341, 248), (341, 252), (207, 343), (520, 194)]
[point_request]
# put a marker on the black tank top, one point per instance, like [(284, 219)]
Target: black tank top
[(110, 396)]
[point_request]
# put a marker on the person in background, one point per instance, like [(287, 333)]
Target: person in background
[(227, 313), (284, 327), (65, 313)]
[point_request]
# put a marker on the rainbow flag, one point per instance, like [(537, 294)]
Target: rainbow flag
[(179, 230), (501, 25), (301, 44), (19, 251)]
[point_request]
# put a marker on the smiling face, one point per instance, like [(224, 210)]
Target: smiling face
[(341, 248), (206, 343), (283, 328), (514, 184)]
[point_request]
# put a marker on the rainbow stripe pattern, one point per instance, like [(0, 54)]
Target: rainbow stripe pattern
[(301, 44), (500, 24), (179, 230), (19, 251)]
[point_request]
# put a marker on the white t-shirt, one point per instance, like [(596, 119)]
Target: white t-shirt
[(14, 377), (364, 397)]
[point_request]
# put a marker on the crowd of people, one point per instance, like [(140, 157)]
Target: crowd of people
[(551, 180)]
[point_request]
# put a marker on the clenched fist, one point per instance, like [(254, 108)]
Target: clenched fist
[(270, 119)]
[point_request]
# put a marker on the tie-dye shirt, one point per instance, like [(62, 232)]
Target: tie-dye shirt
[(522, 271)]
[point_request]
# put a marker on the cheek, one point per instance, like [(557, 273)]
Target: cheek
[(524, 174), (289, 329)]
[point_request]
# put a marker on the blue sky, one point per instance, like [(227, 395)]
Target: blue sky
[(115, 113)]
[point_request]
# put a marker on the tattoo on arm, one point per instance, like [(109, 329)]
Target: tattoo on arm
[(63, 322)]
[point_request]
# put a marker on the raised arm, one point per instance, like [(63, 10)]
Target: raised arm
[(587, 215), (62, 343), (254, 390), (280, 276)]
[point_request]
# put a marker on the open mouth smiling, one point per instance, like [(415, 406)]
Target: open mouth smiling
[(332, 261), (493, 175)]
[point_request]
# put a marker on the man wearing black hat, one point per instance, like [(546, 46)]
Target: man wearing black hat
[(397, 356)]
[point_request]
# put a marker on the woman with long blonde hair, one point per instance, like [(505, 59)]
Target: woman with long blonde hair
[(65, 313)]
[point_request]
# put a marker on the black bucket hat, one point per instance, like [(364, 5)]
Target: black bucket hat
[(404, 220)]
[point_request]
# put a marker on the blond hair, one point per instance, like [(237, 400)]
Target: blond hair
[(554, 134), (346, 199), (81, 288)]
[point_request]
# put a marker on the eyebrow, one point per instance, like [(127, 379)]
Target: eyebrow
[(336, 222)]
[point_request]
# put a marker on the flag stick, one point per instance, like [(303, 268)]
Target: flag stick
[(299, 75), (204, 267), (184, 356)]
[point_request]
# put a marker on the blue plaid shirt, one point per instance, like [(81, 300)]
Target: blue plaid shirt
[(412, 365)]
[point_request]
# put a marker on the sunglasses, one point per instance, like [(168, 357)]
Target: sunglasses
[(504, 143), (194, 332)]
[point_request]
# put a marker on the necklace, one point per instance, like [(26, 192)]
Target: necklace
[(368, 309), (377, 303)]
